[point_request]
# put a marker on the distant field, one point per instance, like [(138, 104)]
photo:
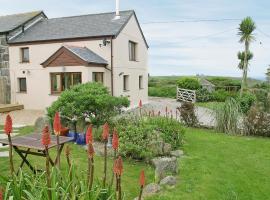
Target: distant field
[(165, 86)]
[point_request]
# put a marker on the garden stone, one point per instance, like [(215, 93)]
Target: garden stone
[(165, 165), (99, 149), (177, 153), (151, 189), (169, 180), (40, 123), (167, 148)]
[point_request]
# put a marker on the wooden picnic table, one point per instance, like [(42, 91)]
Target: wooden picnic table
[(31, 144)]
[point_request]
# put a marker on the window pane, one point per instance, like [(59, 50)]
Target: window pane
[(66, 81), (98, 77), (56, 82), (22, 85), (141, 82), (132, 51), (77, 78), (125, 82), (25, 54)]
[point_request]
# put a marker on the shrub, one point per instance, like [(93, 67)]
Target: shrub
[(221, 95), (90, 100), (188, 83), (263, 98), (187, 114), (140, 138), (221, 82), (257, 122), (227, 116), (203, 95), (246, 101)]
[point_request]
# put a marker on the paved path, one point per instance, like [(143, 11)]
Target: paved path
[(205, 115), (22, 117)]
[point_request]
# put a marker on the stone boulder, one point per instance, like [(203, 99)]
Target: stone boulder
[(169, 180), (151, 189), (177, 153), (40, 123), (164, 165)]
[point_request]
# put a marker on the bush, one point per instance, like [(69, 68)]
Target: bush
[(188, 83), (222, 95), (263, 98), (187, 114), (141, 138), (90, 100), (246, 101), (225, 82), (203, 95), (257, 122), (227, 116)]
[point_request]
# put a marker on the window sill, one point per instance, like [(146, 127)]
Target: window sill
[(55, 94), (126, 90), (21, 92), (134, 61), (24, 62), (141, 88)]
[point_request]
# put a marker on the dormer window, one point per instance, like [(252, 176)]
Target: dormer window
[(24, 54)]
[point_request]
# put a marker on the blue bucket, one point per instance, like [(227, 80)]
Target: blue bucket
[(81, 139)]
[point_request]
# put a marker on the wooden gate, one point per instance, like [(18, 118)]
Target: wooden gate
[(186, 95)]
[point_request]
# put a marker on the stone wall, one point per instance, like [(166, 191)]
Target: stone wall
[(4, 56)]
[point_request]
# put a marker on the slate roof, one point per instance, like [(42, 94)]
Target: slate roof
[(10, 22), (86, 54), (93, 25)]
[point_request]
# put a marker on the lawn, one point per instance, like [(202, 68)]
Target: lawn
[(215, 166), (218, 166), (79, 157), (211, 105)]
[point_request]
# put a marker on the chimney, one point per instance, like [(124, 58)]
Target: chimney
[(117, 12)]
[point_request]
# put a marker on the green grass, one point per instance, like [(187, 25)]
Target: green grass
[(210, 105), (222, 167), (79, 158)]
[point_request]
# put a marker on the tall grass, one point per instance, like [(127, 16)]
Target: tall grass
[(227, 116)]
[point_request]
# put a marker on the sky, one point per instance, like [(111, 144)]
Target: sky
[(181, 45)]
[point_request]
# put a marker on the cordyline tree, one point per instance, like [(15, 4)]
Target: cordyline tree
[(89, 100), (8, 130), (246, 29)]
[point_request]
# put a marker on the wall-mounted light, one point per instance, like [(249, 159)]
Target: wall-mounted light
[(105, 42), (121, 73)]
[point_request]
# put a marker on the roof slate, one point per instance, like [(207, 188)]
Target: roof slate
[(86, 54), (10, 22), (93, 25)]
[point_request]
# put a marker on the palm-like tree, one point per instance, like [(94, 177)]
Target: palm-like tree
[(241, 57), (246, 30)]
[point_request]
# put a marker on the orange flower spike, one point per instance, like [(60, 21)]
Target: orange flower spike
[(142, 179), (91, 151), (89, 134), (115, 168), (120, 166), (57, 124), (115, 140), (140, 103), (1, 194), (46, 138), (105, 134), (8, 125)]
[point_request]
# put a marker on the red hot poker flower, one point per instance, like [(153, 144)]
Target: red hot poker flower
[(118, 166), (8, 125), (89, 134), (57, 124), (105, 134), (140, 104), (115, 140), (46, 138), (142, 179), (1, 194), (91, 151)]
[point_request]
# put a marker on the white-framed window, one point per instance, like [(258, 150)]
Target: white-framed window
[(98, 77), (25, 55), (140, 82), (132, 51), (22, 87), (126, 82)]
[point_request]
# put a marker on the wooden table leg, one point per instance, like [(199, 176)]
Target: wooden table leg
[(24, 159)]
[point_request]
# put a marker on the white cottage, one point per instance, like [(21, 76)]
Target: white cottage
[(54, 54)]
